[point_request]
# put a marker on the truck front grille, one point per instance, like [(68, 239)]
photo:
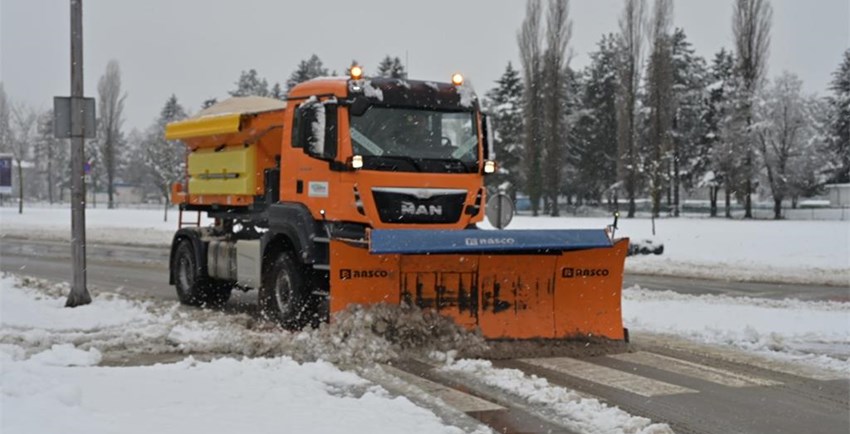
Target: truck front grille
[(417, 205)]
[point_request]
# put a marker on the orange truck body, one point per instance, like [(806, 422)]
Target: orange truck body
[(245, 165)]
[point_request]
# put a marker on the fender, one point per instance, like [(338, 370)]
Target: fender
[(294, 221), (199, 247)]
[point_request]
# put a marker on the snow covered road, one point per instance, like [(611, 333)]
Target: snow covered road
[(53, 358)]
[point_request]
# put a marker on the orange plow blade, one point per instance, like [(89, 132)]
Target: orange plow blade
[(507, 294)]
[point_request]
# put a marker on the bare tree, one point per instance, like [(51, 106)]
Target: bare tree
[(632, 35), (23, 137), (5, 126), (529, 40), (559, 30), (787, 137), (111, 119), (660, 84), (751, 22)]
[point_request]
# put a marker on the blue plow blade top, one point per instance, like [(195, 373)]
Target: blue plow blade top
[(410, 241)]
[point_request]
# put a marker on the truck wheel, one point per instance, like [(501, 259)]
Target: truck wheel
[(192, 288), (283, 297)]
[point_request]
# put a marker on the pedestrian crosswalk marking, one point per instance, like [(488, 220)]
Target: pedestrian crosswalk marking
[(695, 370), (460, 401), (608, 376)]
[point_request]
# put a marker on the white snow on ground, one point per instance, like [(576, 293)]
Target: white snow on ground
[(808, 252), (122, 225), (225, 395), (806, 332), (582, 414), (49, 374)]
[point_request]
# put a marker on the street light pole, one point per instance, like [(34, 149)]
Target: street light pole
[(79, 294)]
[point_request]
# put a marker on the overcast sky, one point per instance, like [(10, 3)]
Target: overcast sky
[(197, 48)]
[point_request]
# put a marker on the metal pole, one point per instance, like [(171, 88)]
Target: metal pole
[(79, 293)]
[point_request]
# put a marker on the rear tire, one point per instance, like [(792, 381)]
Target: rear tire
[(283, 296), (193, 289)]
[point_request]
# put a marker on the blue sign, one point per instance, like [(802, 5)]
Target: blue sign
[(5, 174), (409, 241)]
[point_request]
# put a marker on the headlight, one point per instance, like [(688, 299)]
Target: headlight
[(489, 166)]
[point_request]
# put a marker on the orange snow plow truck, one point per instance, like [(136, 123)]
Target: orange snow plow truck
[(361, 191)]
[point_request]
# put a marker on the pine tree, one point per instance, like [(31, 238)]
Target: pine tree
[(718, 150), (165, 159), (391, 67), (689, 159), (306, 70), (505, 103), (839, 122), (250, 84), (277, 92)]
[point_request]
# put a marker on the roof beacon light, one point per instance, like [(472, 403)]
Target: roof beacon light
[(356, 72), (457, 79)]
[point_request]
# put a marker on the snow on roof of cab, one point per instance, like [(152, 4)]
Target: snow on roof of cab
[(242, 105)]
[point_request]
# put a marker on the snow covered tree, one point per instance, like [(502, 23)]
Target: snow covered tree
[(5, 124), (391, 67), (111, 111), (719, 157), (689, 159), (23, 138), (751, 22), (594, 146), (631, 38), (306, 70), (839, 123), (505, 104), (787, 137), (530, 44), (52, 158), (659, 101), (250, 84), (165, 159), (209, 103), (277, 92)]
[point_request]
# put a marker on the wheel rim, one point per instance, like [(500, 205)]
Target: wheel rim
[(282, 285), (184, 272)]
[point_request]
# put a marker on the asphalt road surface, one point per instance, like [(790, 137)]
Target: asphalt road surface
[(694, 388)]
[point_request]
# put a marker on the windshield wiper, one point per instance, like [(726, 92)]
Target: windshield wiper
[(404, 158), (448, 162)]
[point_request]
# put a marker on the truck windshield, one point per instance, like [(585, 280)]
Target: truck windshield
[(402, 139)]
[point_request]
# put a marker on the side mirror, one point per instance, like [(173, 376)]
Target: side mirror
[(317, 129), (489, 138)]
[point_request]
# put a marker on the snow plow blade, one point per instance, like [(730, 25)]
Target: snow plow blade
[(553, 284)]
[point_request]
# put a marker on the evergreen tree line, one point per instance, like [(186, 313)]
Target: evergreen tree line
[(630, 126)]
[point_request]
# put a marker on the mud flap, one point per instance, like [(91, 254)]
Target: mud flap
[(509, 295)]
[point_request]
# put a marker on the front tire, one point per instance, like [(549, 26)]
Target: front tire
[(193, 289), (283, 296)]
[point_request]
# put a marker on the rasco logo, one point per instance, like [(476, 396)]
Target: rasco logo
[(584, 272), (347, 273), (489, 241), (410, 208)]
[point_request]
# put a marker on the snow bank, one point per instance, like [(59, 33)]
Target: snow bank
[(574, 411), (121, 226), (813, 252), (32, 315), (224, 395), (810, 333)]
